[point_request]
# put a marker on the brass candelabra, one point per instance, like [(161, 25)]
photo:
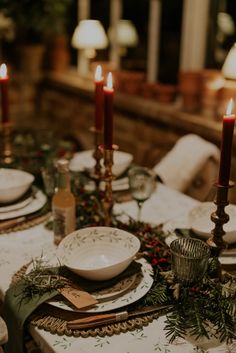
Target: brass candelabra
[(219, 217), (6, 155), (97, 155), (107, 200)]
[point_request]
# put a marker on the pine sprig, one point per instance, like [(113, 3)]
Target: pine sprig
[(204, 309), (41, 280)]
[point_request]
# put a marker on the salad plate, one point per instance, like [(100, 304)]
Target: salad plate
[(117, 290)]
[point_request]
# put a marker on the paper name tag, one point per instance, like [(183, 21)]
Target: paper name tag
[(79, 298)]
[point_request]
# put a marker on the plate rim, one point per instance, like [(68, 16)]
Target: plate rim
[(37, 202), (109, 305)]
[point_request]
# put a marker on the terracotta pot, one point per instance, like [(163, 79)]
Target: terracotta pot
[(31, 58), (131, 81), (227, 92), (190, 87), (212, 83), (59, 55), (148, 90), (166, 93)]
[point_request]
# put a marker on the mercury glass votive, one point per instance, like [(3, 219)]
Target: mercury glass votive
[(189, 259)]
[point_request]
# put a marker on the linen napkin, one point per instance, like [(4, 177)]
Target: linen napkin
[(180, 167), (17, 308)]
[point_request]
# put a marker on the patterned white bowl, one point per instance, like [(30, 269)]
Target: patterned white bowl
[(98, 253), (13, 184)]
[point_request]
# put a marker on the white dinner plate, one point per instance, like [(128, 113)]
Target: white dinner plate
[(199, 219), (140, 287), (17, 205), (37, 202), (84, 161)]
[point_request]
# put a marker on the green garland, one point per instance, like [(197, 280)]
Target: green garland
[(197, 308)]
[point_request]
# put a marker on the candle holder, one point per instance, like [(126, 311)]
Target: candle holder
[(219, 217), (107, 200), (6, 157), (97, 155)]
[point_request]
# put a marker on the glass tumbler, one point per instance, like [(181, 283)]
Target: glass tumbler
[(189, 259)]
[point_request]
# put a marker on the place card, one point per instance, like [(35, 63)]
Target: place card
[(77, 296)]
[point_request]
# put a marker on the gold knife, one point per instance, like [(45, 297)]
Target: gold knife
[(103, 319)]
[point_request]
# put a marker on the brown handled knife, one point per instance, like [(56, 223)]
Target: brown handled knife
[(4, 225), (104, 319)]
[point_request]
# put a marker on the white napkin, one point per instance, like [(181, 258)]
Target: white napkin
[(185, 160)]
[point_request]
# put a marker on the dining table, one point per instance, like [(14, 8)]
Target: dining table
[(165, 206)]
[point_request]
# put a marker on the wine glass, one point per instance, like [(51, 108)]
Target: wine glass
[(142, 182)]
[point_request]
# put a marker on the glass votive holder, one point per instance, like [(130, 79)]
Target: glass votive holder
[(189, 259), (49, 175)]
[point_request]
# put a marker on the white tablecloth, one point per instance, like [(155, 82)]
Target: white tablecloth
[(16, 249)]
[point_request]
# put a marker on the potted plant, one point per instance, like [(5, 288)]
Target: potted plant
[(35, 22)]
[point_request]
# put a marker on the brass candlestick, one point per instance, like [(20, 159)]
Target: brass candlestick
[(219, 217), (6, 156), (97, 155), (108, 177)]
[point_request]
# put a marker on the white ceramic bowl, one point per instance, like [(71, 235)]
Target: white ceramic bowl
[(13, 184), (84, 161), (199, 219), (98, 253)]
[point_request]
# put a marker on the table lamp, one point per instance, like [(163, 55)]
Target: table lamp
[(88, 36), (229, 73), (229, 66), (125, 35)]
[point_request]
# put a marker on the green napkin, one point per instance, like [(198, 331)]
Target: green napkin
[(16, 308)]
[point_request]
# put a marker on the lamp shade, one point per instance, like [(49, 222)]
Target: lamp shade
[(126, 34), (229, 67), (89, 34)]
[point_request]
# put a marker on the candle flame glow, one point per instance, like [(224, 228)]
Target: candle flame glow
[(109, 80), (229, 107), (98, 73), (3, 71)]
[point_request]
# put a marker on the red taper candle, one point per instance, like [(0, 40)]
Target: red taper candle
[(226, 145), (108, 112), (99, 98), (4, 93)]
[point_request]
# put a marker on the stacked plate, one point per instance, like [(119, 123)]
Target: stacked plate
[(84, 161), (17, 195), (123, 293), (199, 219)]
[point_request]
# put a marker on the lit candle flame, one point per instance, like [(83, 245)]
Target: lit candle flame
[(229, 107), (3, 71), (98, 73), (109, 80)]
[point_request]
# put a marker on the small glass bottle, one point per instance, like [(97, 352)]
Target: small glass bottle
[(63, 204)]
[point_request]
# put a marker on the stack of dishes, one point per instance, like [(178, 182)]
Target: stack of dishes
[(84, 162), (198, 220), (124, 292), (18, 196), (103, 258)]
